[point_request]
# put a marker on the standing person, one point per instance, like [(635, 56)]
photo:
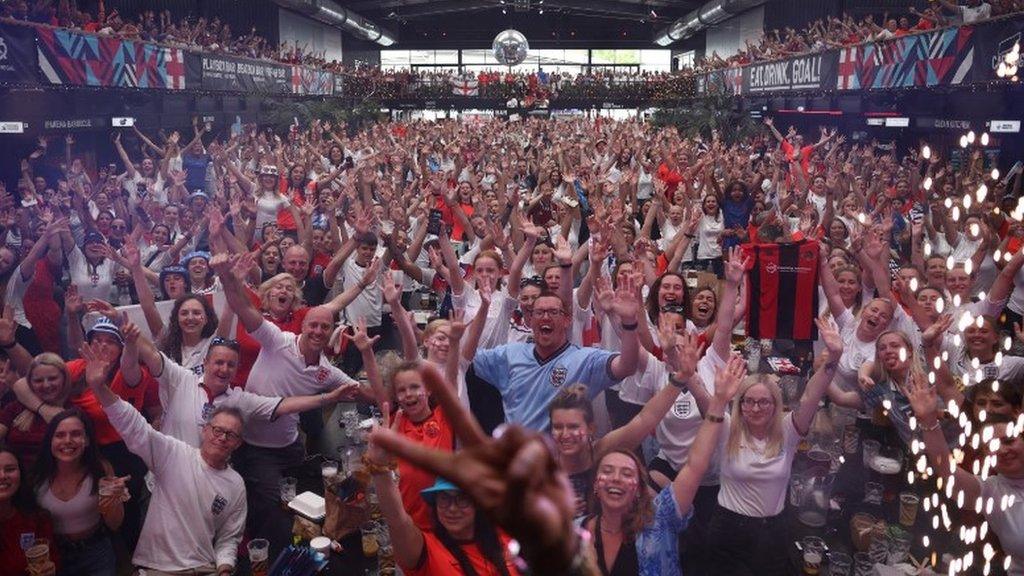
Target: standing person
[(288, 365), (1006, 484), (22, 522), (47, 378), (748, 532), (528, 376), (67, 478), (197, 511)]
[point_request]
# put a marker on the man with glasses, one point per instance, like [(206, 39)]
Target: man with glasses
[(529, 375), (189, 399), (197, 510)]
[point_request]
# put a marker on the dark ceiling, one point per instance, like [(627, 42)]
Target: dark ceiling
[(546, 23)]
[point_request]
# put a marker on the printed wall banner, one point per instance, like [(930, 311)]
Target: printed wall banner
[(67, 57), (225, 73), (17, 54), (813, 72), (941, 58), (995, 42)]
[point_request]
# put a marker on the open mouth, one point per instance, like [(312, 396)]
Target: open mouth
[(68, 451), (546, 329), (704, 308)]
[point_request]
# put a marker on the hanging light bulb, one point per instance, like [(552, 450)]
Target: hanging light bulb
[(984, 139), (971, 136), (926, 152), (995, 173), (964, 142), (928, 183), (982, 192)]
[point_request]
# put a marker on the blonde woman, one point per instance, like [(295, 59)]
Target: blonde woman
[(21, 428), (748, 534), (885, 379)]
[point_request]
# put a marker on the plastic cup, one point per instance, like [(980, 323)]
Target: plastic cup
[(259, 554), (899, 546), (369, 536), (813, 553), (851, 439), (288, 485), (908, 508), (798, 486), (862, 565), (38, 554), (873, 492), (321, 544)]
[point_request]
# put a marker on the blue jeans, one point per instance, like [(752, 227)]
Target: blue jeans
[(94, 556)]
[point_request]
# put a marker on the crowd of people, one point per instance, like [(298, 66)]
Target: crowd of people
[(533, 86), (177, 323)]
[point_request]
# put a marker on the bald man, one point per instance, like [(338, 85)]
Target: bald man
[(288, 365)]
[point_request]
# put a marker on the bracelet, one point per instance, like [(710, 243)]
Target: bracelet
[(681, 384), (39, 407), (9, 346), (565, 266), (715, 419), (690, 236), (933, 427), (630, 327)]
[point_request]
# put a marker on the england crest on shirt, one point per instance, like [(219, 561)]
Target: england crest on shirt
[(27, 540), (682, 409), (558, 376), (321, 375), (219, 503)]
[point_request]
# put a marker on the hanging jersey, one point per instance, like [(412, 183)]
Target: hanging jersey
[(783, 297)]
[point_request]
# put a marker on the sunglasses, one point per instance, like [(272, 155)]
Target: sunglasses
[(533, 281), (226, 342)]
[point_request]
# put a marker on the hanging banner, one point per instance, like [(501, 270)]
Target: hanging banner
[(17, 55), (311, 81), (71, 58), (995, 42), (728, 81), (812, 72), (225, 73), (339, 85), (941, 58)]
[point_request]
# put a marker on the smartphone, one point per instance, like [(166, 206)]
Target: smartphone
[(142, 189), (434, 222)]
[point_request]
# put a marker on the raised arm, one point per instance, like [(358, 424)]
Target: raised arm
[(406, 538), (687, 481), (627, 309), (819, 382), (234, 291), (687, 352)]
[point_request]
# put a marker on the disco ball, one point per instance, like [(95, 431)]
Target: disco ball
[(510, 47)]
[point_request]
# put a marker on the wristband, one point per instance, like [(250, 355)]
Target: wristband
[(630, 327), (681, 384), (715, 419), (36, 411), (565, 266), (690, 236)]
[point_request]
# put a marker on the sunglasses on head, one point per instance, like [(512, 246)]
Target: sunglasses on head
[(226, 342), (533, 281)]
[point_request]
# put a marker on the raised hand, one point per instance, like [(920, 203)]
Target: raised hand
[(729, 377), (372, 272), (513, 479), (829, 333), (457, 325), (222, 263), (131, 334), (360, 337), (106, 309), (97, 368), (624, 304), (73, 300), (922, 396), (563, 252), (390, 289), (689, 350), (933, 334), (736, 266)]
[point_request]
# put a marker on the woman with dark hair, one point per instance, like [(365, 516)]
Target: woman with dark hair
[(463, 542), (22, 522), (193, 323), (269, 261), (67, 479), (737, 205)]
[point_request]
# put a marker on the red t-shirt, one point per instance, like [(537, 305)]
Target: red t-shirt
[(249, 348), (143, 396), (285, 221), (671, 178), (17, 533), (24, 443), (805, 155), (41, 308), (434, 432), (438, 561)]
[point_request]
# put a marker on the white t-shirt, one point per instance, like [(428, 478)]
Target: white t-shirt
[(94, 283), (369, 303), (187, 405), (155, 189), (708, 233), (281, 370), (856, 352), (15, 296), (1007, 524), (678, 429), (267, 207), (496, 329), (196, 514), (970, 15), (753, 485)]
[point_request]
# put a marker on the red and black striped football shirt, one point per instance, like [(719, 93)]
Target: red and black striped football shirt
[(782, 299)]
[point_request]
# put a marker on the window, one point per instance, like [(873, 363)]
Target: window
[(609, 56), (394, 59), (656, 60), (686, 60)]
